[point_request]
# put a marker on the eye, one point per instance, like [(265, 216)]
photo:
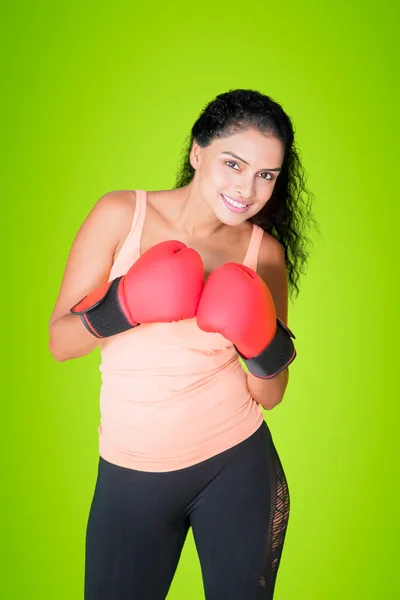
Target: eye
[(230, 162), (271, 176)]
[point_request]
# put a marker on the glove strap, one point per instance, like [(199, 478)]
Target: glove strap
[(275, 357), (101, 313)]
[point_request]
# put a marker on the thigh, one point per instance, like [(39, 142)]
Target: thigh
[(134, 536), (239, 523)]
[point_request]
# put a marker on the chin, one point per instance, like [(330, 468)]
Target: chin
[(233, 220)]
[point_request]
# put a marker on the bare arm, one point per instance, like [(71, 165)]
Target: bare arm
[(268, 392), (272, 269), (88, 266)]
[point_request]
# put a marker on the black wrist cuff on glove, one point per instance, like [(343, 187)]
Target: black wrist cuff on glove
[(278, 355), (104, 318)]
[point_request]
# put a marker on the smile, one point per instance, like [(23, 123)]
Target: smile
[(234, 205)]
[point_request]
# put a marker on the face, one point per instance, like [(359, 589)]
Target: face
[(236, 175)]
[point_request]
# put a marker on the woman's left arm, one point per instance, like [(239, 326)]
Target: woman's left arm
[(268, 392), (272, 270)]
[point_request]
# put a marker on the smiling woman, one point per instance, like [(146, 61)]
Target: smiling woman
[(245, 185), (244, 203), (287, 212), (180, 288)]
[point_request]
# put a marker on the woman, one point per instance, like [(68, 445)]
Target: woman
[(186, 293)]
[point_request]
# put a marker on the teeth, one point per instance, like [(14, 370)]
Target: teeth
[(237, 204)]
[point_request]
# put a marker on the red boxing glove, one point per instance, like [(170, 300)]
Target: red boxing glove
[(237, 303), (163, 285)]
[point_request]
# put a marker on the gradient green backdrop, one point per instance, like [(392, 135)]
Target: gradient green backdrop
[(100, 97)]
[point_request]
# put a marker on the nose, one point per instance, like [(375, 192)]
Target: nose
[(245, 189)]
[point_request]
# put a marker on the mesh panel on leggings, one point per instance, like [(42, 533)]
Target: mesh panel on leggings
[(279, 516)]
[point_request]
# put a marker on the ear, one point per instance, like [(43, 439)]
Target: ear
[(195, 155)]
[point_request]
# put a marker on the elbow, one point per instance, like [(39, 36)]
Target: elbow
[(52, 346), (268, 392), (62, 353), (55, 350), (56, 354), (270, 403), (56, 346)]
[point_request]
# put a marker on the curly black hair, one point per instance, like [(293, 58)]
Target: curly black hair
[(288, 213)]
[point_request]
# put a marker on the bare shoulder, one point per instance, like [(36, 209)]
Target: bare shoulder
[(272, 269), (116, 205), (271, 250), (116, 210)]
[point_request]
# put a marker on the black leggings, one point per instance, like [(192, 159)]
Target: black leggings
[(236, 502)]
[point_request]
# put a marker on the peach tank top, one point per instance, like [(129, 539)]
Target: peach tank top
[(171, 394)]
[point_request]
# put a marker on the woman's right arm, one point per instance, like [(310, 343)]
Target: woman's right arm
[(88, 266)]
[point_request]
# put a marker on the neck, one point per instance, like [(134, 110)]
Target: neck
[(196, 219)]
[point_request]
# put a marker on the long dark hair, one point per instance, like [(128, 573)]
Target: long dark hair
[(287, 213)]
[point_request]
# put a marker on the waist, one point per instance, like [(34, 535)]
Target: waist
[(158, 423)]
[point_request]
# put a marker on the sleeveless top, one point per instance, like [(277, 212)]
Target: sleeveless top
[(171, 394)]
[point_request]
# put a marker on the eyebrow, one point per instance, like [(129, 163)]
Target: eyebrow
[(245, 161)]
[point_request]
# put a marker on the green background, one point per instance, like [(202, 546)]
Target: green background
[(97, 98)]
